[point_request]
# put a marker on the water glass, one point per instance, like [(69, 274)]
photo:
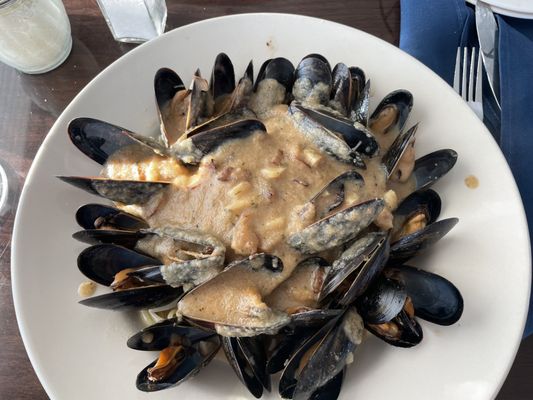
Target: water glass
[(134, 21)]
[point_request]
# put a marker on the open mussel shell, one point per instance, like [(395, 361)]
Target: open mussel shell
[(409, 246), (167, 333), (400, 102), (222, 77), (358, 84), (200, 105), (382, 302), (409, 332), (279, 69), (351, 264), (397, 150), (336, 229), (303, 325), (361, 105), (356, 136), (248, 359), (123, 191), (368, 271), (332, 194), (99, 216), (383, 308), (286, 346), (342, 92), (194, 148), (97, 139), (289, 376), (433, 166), (427, 202), (135, 299), (313, 80), (97, 236), (322, 357), (102, 262), (195, 358), (324, 139), (166, 85), (434, 298)]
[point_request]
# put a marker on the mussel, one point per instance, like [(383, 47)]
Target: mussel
[(184, 350)]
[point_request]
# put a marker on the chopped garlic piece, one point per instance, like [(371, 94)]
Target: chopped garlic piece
[(240, 188), (276, 223), (240, 204), (311, 157), (86, 289), (391, 200), (272, 172)]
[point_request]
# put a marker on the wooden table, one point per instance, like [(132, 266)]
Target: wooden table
[(30, 104)]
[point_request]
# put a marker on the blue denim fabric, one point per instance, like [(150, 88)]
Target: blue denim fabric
[(431, 31)]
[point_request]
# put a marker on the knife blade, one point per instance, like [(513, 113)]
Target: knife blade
[(487, 32)]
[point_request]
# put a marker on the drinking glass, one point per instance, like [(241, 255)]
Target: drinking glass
[(134, 21)]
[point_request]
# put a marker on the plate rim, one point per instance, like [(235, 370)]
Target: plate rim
[(16, 293)]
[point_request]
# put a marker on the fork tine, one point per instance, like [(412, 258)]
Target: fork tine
[(457, 73), (479, 79), (471, 76), (465, 74)]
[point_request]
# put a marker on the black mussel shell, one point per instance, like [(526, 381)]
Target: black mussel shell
[(97, 139), (434, 298), (402, 100), (431, 167), (96, 236), (409, 246), (167, 333), (249, 365), (222, 76), (123, 191), (195, 359), (101, 263), (95, 216), (135, 299), (382, 302), (427, 202)]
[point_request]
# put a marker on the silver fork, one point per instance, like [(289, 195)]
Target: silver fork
[(467, 79)]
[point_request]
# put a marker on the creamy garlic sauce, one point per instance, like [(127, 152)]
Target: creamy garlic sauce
[(239, 302), (300, 290), (250, 193), (250, 188)]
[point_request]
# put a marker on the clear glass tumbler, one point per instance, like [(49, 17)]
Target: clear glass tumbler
[(134, 21), (34, 34)]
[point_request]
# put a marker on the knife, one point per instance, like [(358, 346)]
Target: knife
[(487, 32)]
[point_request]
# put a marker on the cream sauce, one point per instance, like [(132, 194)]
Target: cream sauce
[(250, 194), (249, 189), (300, 290), (240, 309)]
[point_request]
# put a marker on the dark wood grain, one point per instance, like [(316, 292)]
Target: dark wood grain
[(30, 104)]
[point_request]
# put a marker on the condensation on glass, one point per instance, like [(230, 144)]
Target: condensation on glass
[(34, 34), (134, 21)]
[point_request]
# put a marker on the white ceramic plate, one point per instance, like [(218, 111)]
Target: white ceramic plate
[(512, 8), (80, 353)]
